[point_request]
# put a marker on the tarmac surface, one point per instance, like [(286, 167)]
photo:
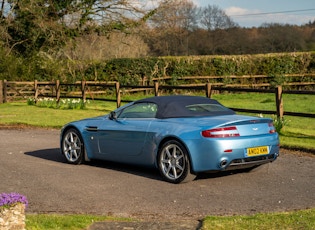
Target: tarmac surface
[(32, 165)]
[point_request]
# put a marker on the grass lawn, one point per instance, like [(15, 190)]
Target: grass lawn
[(19, 113)]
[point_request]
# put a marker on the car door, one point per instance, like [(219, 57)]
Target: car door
[(126, 135)]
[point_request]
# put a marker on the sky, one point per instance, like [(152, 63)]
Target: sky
[(253, 13)]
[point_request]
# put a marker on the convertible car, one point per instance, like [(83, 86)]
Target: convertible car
[(179, 135)]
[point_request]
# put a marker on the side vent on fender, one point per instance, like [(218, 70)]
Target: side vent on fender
[(91, 128)]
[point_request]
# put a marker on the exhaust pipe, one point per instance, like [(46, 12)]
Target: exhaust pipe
[(223, 163)]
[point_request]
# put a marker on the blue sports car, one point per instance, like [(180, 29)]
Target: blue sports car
[(180, 135)]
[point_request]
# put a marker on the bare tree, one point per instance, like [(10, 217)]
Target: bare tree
[(215, 21), (96, 47), (213, 18), (171, 26)]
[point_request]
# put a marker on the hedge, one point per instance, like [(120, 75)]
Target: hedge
[(130, 71), (133, 71)]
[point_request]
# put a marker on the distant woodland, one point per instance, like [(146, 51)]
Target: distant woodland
[(58, 37)]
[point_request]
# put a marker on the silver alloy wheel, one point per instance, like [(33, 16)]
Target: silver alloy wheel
[(173, 162), (72, 147)]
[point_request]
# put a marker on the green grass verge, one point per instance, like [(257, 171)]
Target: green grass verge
[(58, 221), (304, 219)]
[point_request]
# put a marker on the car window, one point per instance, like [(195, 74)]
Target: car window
[(206, 108), (140, 110)]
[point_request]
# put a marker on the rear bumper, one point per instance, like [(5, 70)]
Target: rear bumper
[(231, 153), (250, 162)]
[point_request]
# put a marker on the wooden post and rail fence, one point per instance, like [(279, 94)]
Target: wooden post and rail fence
[(87, 90)]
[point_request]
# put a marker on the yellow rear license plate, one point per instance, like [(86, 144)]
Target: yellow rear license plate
[(257, 151)]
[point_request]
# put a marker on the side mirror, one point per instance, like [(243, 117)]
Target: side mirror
[(112, 116)]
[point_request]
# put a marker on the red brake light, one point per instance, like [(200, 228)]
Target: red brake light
[(221, 132)]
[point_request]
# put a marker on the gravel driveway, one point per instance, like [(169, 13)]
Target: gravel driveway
[(32, 165)]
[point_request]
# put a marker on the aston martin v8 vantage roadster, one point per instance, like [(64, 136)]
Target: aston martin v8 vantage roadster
[(179, 135)]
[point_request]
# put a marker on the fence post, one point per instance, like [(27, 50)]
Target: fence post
[(208, 90), (144, 83), (1, 91), (4, 91), (156, 88), (36, 90), (57, 91), (118, 100), (83, 84), (279, 102)]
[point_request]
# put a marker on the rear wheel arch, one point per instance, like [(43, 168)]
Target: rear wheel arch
[(169, 139)]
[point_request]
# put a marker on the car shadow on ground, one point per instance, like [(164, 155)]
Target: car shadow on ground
[(217, 174), (148, 172), (55, 155), (151, 173), (48, 154)]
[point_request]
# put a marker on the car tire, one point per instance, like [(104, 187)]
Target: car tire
[(72, 146), (173, 163)]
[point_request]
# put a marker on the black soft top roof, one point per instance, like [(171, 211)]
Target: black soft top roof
[(177, 106)]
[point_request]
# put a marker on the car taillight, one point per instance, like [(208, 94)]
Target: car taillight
[(221, 132), (271, 128)]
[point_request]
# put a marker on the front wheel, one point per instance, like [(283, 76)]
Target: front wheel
[(72, 146), (173, 162)]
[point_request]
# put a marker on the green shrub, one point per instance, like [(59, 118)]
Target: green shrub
[(279, 123)]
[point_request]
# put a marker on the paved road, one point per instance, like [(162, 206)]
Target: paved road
[(32, 165)]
